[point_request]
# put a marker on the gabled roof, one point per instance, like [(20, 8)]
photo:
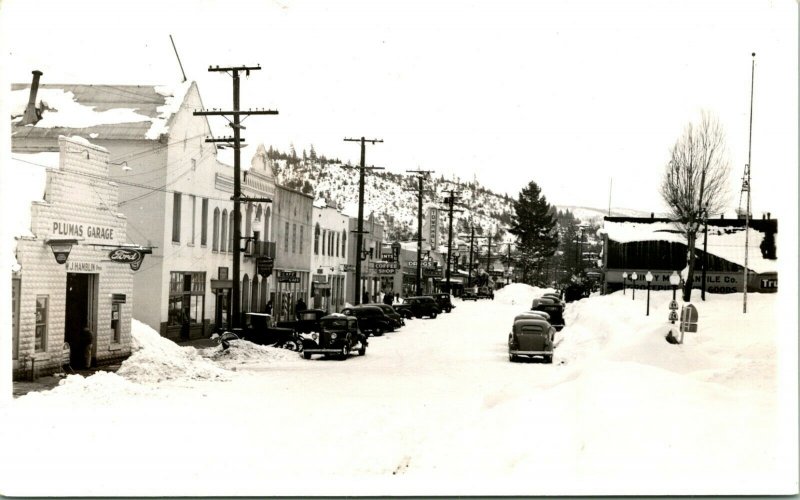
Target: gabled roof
[(99, 112)]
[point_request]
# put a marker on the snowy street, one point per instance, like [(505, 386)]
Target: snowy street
[(433, 408)]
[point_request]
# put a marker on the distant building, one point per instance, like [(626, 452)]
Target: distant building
[(329, 258), (372, 244), (644, 244)]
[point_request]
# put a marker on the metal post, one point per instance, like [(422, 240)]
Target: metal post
[(648, 299)]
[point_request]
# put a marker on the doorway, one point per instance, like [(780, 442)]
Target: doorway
[(79, 314)]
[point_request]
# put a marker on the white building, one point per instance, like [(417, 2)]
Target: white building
[(74, 268), (329, 257)]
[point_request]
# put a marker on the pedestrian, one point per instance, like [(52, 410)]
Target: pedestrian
[(86, 340), (388, 298), (268, 308), (300, 306), (365, 297)]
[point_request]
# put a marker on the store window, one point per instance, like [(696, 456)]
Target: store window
[(187, 294), (42, 313)]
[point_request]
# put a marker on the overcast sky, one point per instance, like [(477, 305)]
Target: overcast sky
[(567, 93)]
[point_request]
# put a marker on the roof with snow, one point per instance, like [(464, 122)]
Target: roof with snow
[(726, 237), (132, 112)]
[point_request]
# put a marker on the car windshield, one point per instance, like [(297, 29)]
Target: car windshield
[(334, 324)]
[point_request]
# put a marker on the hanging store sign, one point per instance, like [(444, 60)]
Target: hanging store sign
[(288, 277), (78, 230), (61, 251), (432, 273), (387, 266), (384, 270), (135, 265), (425, 265), (347, 268), (264, 266), (125, 255)]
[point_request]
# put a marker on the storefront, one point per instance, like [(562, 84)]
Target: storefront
[(291, 285), (72, 282)]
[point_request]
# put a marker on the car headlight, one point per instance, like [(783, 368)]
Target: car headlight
[(333, 336), (314, 336)]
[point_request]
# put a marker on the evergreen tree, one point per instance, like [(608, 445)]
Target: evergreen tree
[(534, 225)]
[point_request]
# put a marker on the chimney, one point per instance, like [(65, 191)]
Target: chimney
[(769, 215), (32, 115), (652, 215)]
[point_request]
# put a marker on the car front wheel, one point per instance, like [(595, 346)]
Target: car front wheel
[(307, 355), (378, 331), (433, 315)]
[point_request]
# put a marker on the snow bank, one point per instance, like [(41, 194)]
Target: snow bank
[(519, 294), (243, 351), (156, 358), (96, 390)]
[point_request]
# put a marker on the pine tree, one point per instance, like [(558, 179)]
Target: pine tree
[(534, 225)]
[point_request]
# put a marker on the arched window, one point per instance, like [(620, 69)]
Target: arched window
[(245, 294), (230, 232), (337, 244), (215, 240), (223, 237), (247, 221), (322, 244), (344, 243), (254, 294), (267, 221), (316, 239)]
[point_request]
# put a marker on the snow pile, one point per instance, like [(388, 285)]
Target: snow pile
[(98, 389), (519, 294), (156, 358), (243, 351)]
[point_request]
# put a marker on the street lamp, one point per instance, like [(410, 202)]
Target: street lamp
[(624, 279), (634, 277), (648, 278), (674, 280)]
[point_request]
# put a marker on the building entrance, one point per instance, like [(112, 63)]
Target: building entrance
[(79, 314)]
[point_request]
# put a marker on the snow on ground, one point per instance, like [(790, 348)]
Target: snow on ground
[(519, 294), (436, 408)]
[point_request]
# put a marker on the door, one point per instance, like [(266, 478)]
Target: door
[(79, 314)]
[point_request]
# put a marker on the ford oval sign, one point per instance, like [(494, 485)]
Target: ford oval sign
[(125, 255)]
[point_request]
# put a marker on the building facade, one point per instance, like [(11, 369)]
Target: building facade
[(292, 233), (641, 244), (329, 257), (74, 268)]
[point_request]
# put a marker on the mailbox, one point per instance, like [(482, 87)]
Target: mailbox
[(689, 318)]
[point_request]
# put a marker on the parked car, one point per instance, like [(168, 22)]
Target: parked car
[(397, 320), (338, 335), (469, 296), (259, 328), (443, 300), (371, 319), (307, 321), (531, 337), (485, 292), (551, 307), (536, 315), (418, 307)]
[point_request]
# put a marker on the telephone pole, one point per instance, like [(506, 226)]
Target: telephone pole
[(360, 231), (450, 200), (477, 251), (420, 174), (236, 113)]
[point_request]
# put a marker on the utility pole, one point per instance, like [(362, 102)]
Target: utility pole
[(236, 113), (746, 185), (704, 262), (450, 200), (421, 174), (360, 230)]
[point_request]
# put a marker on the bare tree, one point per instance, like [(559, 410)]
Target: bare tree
[(695, 182)]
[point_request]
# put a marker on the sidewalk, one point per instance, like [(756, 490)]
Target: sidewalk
[(45, 383)]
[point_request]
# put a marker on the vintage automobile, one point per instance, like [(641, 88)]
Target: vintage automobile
[(552, 307), (485, 292), (259, 329), (371, 319), (307, 321), (531, 337), (535, 315), (469, 296), (443, 300), (397, 320), (338, 335), (418, 307)]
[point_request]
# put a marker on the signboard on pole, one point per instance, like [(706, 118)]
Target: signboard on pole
[(264, 266), (288, 277)]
